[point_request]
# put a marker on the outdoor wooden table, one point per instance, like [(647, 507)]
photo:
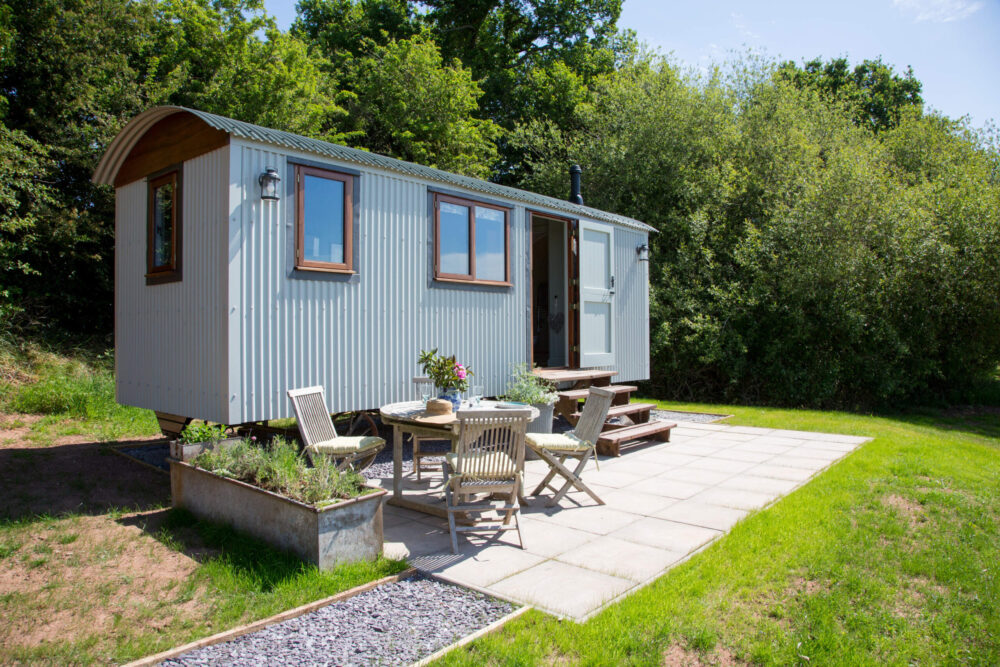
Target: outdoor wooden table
[(405, 418)]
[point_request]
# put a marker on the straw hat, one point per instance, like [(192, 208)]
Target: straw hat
[(438, 412)]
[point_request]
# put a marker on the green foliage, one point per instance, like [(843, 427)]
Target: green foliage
[(526, 387), (802, 259), (445, 372), (24, 201), (405, 101), (202, 432), (279, 467), (872, 91)]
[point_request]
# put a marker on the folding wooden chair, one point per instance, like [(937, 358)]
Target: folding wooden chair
[(320, 437), (488, 459), (555, 448), (419, 454)]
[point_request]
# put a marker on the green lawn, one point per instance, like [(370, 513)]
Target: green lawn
[(889, 557), (96, 568)]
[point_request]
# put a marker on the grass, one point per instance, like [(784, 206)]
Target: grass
[(889, 557), (105, 583), (237, 580), (72, 389)]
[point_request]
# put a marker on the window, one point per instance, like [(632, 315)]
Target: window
[(472, 241), (163, 234), (323, 219)]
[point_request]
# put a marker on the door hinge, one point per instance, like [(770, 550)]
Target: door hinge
[(575, 306), (576, 348)]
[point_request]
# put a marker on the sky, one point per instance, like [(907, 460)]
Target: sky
[(952, 45)]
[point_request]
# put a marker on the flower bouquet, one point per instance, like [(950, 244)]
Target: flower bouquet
[(449, 376)]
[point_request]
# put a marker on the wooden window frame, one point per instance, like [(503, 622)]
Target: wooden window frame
[(469, 278), (302, 264), (170, 272)]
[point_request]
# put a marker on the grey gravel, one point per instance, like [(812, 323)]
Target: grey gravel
[(154, 455), (392, 624), (700, 417)]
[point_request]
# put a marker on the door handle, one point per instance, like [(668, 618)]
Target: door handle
[(612, 290)]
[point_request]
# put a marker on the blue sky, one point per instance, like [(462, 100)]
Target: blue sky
[(952, 45)]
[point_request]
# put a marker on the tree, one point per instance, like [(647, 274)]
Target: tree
[(406, 102), (873, 91)]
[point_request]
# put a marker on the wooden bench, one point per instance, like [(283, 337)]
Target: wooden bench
[(569, 401), (609, 442), (637, 412)]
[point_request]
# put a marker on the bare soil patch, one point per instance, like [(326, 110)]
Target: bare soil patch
[(75, 475), (111, 574), (81, 561), (907, 507), (678, 656)]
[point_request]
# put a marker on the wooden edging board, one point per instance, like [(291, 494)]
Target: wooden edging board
[(489, 629), (263, 623)]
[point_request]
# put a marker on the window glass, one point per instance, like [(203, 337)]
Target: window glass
[(163, 225), (491, 260), (323, 220), (454, 238)]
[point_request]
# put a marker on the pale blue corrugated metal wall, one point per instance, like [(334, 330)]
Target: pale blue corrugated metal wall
[(170, 338), (361, 338)]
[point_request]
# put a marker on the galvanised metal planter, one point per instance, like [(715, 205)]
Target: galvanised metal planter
[(540, 424), (348, 530), (186, 451)]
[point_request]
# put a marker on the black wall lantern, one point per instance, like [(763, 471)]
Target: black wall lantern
[(269, 184), (643, 252)]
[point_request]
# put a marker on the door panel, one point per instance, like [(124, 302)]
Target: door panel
[(597, 330)]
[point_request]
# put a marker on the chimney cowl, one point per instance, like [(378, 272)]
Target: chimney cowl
[(575, 195)]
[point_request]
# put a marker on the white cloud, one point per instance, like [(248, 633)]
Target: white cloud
[(939, 11), (741, 25)]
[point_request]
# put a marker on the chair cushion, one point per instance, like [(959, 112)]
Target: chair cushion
[(501, 464), (556, 442), (346, 445)]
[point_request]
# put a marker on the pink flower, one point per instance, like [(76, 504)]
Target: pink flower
[(460, 372)]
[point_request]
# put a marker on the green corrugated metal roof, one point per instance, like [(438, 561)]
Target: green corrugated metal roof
[(289, 140)]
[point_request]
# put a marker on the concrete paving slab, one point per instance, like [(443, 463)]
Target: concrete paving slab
[(562, 589), (671, 488), (620, 558), (663, 501), (664, 534), (735, 498), (699, 514)]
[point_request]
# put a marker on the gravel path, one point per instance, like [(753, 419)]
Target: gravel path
[(700, 417), (393, 624)]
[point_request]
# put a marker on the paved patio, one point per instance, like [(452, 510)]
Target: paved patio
[(665, 501)]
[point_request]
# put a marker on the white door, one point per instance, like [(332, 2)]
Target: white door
[(597, 291)]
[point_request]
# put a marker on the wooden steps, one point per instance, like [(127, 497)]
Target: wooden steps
[(609, 443), (171, 425), (637, 412), (569, 401), (581, 394)]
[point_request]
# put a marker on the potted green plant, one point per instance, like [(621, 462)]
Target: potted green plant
[(526, 387), (198, 437), (449, 377)]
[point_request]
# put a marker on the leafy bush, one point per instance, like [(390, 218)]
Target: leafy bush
[(526, 387), (802, 258), (279, 467), (202, 432)]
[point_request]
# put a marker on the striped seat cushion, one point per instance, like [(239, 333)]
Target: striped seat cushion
[(488, 465), (346, 445), (556, 442)]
